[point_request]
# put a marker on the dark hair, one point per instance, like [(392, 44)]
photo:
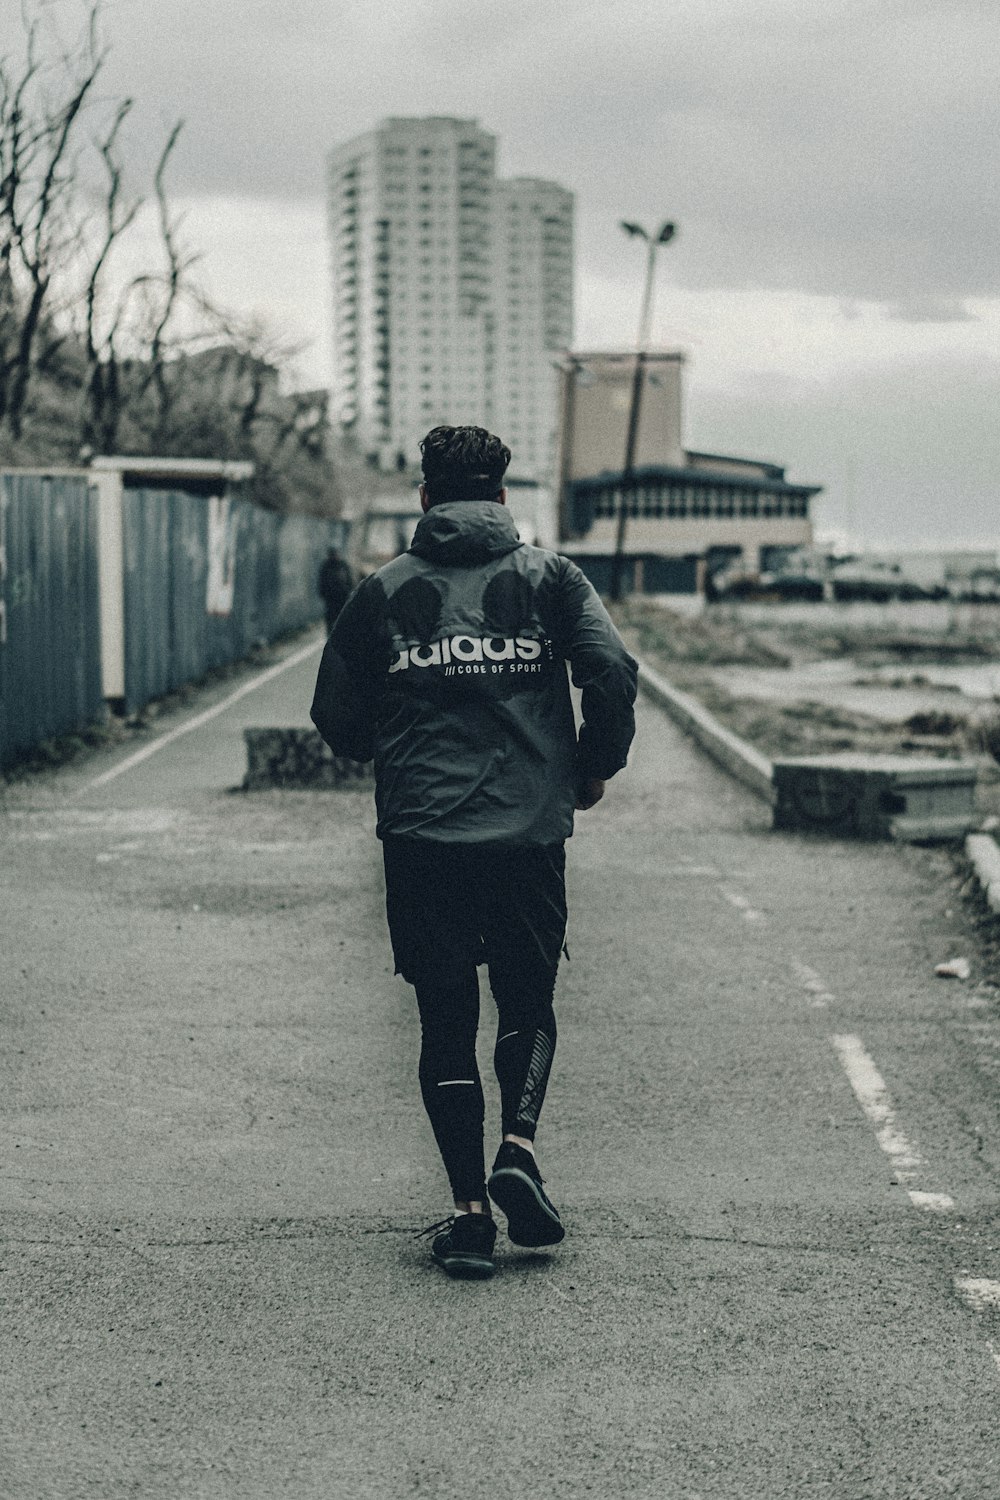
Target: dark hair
[(463, 463)]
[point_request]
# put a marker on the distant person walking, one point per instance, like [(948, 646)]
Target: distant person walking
[(335, 583), (448, 666)]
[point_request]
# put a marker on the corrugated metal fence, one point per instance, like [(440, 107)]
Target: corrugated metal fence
[(50, 648), (204, 580), (207, 579)]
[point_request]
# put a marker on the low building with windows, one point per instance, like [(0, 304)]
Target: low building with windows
[(688, 514)]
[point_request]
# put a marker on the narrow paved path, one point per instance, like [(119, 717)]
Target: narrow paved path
[(775, 1135)]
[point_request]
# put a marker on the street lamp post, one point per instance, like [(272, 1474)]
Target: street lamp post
[(653, 242)]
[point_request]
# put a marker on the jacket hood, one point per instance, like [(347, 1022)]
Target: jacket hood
[(465, 531)]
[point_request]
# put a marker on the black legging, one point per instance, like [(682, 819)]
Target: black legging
[(449, 1076), (451, 907)]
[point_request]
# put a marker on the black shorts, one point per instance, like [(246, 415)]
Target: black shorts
[(452, 906)]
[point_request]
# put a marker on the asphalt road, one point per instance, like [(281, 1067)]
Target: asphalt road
[(774, 1133)]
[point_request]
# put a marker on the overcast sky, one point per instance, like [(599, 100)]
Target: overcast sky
[(831, 165)]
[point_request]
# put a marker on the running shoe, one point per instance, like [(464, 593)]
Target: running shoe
[(465, 1245), (515, 1185)]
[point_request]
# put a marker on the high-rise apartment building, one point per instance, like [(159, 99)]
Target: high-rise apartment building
[(452, 292)]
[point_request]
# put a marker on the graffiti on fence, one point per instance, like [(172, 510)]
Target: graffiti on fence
[(220, 586)]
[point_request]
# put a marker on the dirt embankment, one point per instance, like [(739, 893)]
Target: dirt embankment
[(691, 651)]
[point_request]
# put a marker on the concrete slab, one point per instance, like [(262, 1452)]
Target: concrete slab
[(876, 796)]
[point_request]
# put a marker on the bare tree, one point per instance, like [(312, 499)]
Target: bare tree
[(178, 263), (104, 387), (92, 360), (255, 356), (133, 324), (37, 186), (57, 254)]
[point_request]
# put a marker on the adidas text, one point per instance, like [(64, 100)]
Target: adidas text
[(462, 649)]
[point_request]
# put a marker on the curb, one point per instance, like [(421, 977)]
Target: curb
[(736, 756), (984, 855), (908, 800)]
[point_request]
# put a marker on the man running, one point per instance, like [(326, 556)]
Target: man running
[(448, 666)]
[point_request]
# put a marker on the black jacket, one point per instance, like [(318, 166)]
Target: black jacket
[(448, 666)]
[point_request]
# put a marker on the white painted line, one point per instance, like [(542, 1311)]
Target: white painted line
[(743, 906), (812, 984), (203, 718), (994, 1352), (873, 1096), (979, 1292), (935, 1203)]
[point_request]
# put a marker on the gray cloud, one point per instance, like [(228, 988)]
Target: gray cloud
[(838, 147), (906, 452), (829, 146), (931, 310)]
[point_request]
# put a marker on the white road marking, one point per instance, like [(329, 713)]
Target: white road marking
[(872, 1094), (812, 984), (979, 1292), (935, 1203), (743, 906), (203, 718)]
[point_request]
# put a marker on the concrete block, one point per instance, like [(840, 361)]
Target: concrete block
[(876, 796), (295, 757)]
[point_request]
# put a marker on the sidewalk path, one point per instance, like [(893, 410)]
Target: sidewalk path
[(774, 1132)]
